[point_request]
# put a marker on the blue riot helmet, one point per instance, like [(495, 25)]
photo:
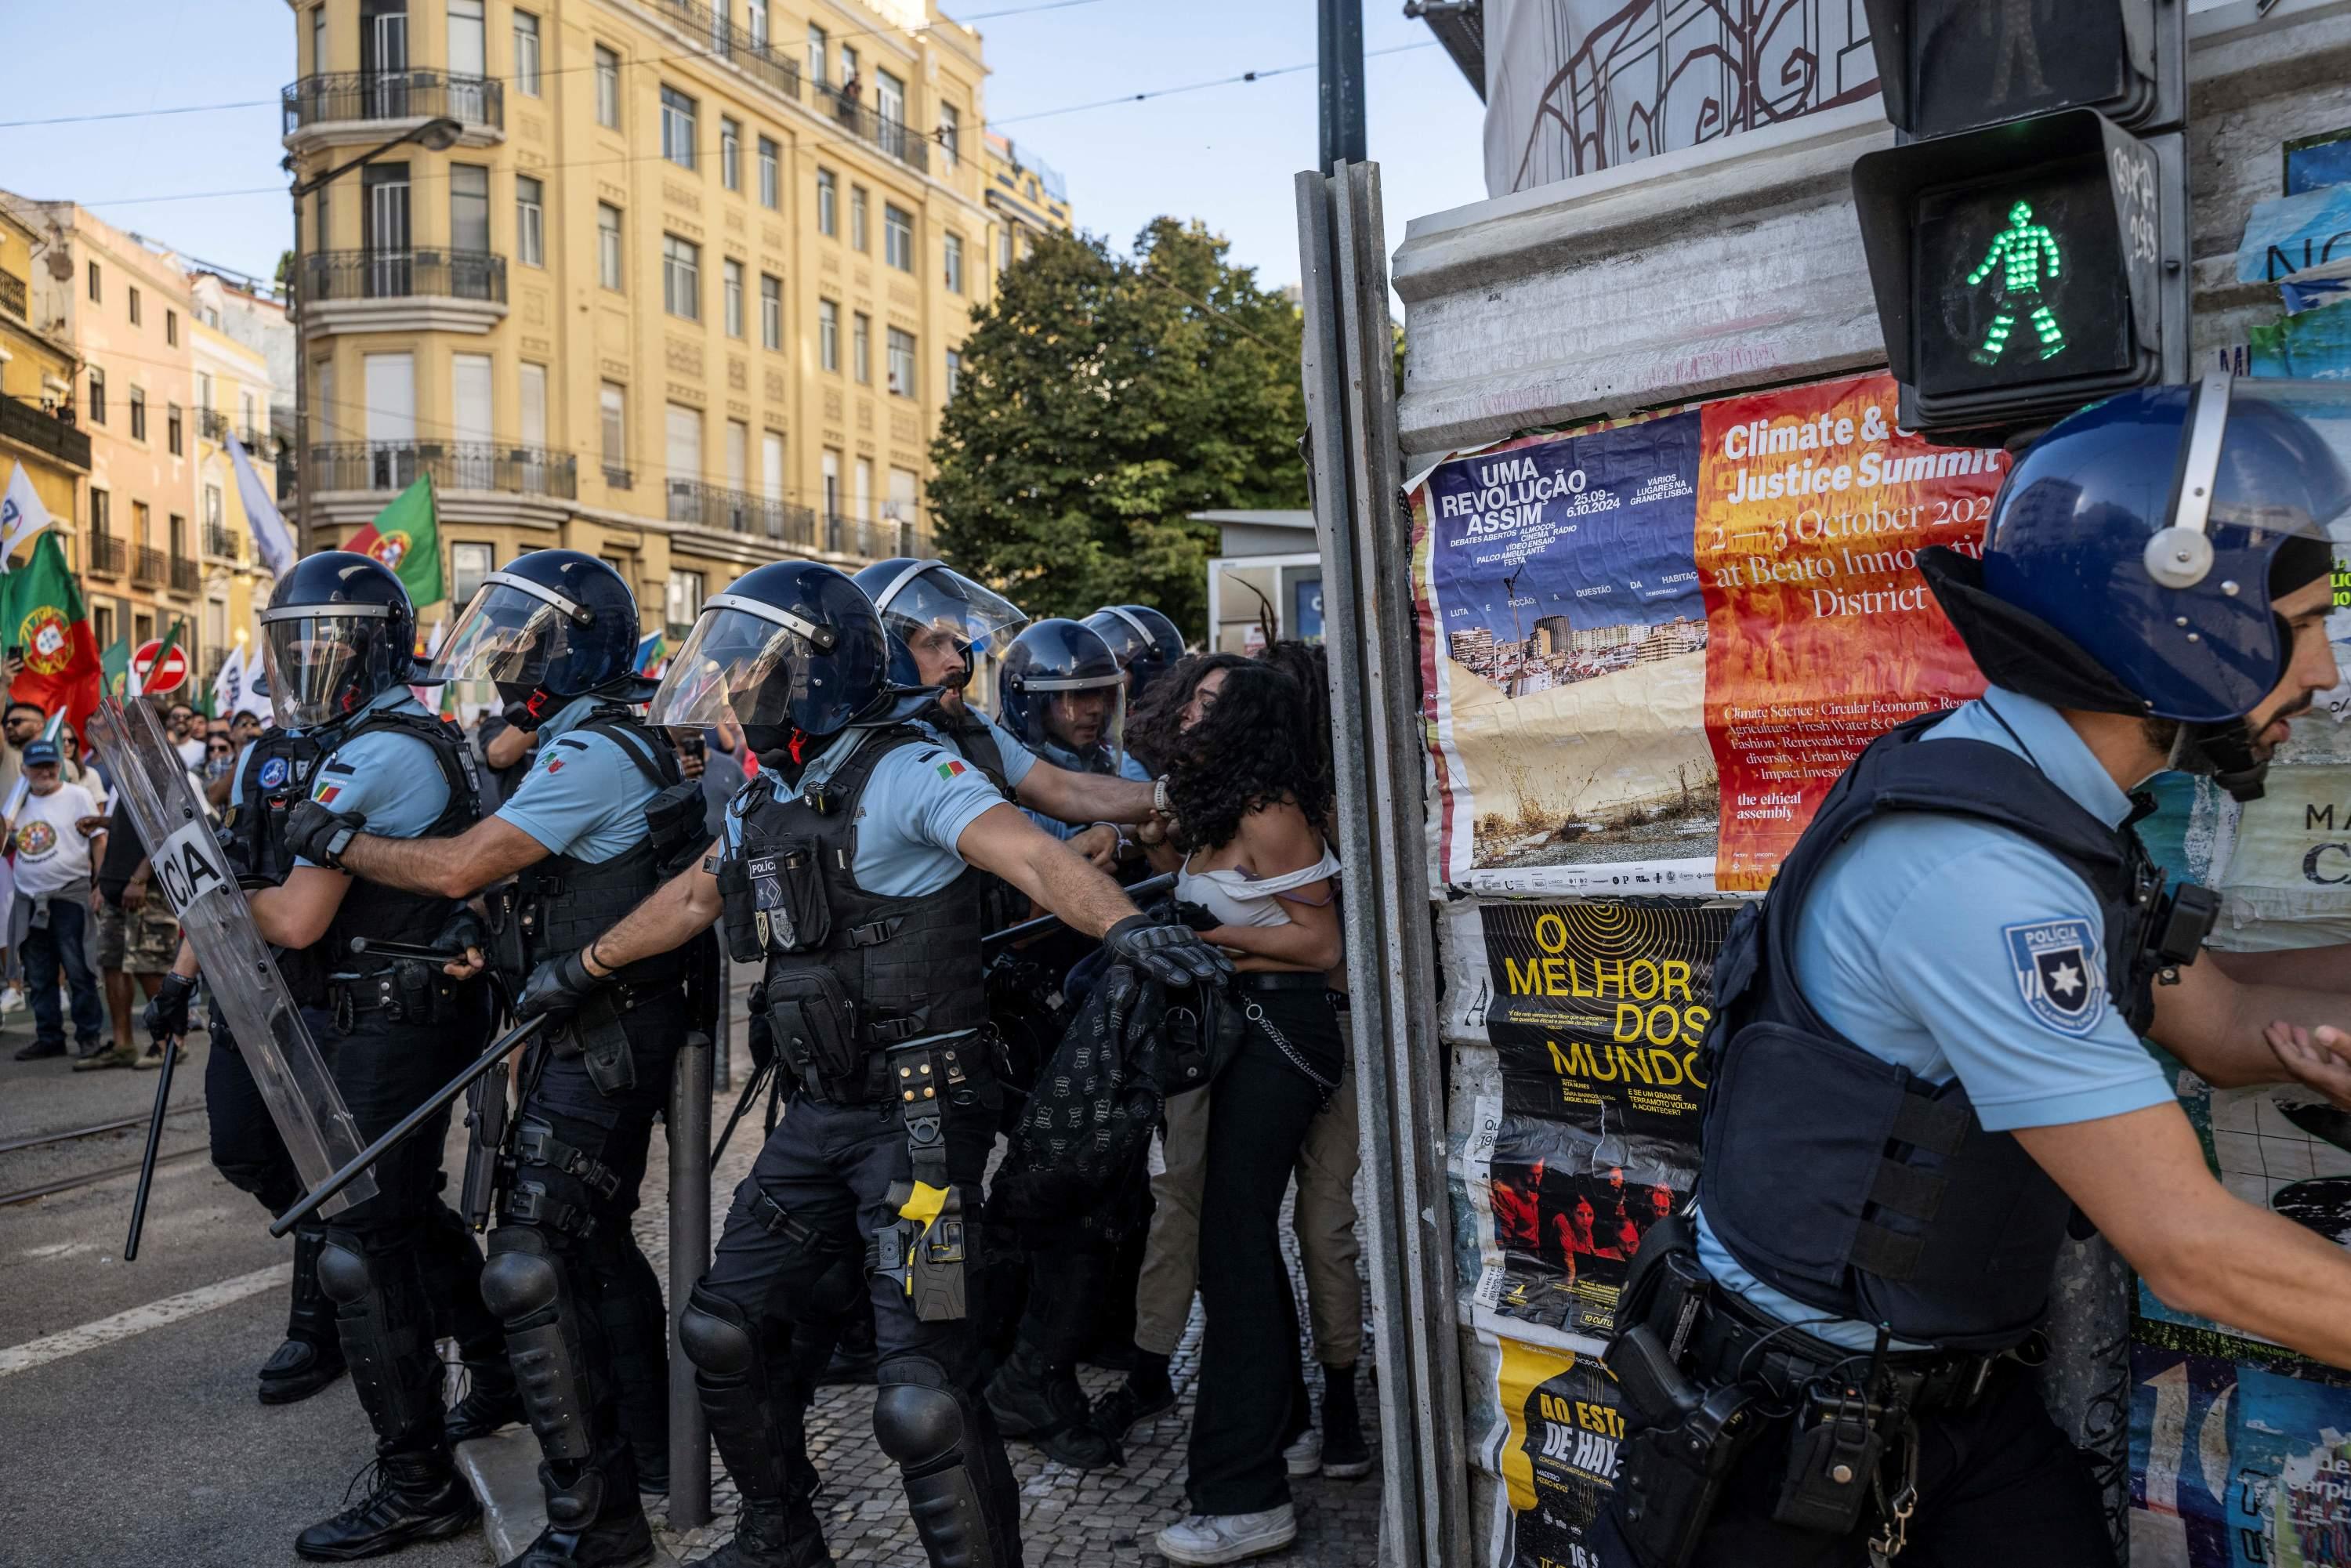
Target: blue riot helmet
[(946, 622), (1065, 695), (2136, 552), (338, 632), (1145, 642), (791, 645), (554, 623)]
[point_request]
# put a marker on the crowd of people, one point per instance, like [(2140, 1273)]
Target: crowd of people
[(813, 787)]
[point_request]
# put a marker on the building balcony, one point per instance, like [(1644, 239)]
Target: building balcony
[(346, 108), (148, 567), (619, 478), (719, 510), (766, 63), (186, 576), (403, 290), (108, 555), (873, 540), (899, 141), (220, 544), (212, 425), (52, 435), (459, 465), (259, 445), (12, 294)]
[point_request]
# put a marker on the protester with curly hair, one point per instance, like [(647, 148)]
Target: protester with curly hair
[(1249, 796)]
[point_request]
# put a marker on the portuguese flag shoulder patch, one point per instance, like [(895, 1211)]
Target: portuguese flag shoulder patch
[(950, 769)]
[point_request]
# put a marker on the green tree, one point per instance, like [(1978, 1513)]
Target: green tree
[(1102, 400)]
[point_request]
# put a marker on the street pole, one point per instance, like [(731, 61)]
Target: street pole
[(689, 1255), (1339, 34), (302, 391)]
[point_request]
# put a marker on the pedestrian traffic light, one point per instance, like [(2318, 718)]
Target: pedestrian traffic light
[(2026, 236)]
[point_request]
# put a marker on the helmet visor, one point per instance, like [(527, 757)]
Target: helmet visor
[(1084, 716), (512, 633), (745, 662), (2284, 463), (324, 662), (932, 603)]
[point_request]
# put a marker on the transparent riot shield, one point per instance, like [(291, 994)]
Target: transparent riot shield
[(194, 874)]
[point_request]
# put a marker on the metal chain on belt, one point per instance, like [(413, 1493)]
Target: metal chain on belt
[(1893, 1530), (1254, 1013)]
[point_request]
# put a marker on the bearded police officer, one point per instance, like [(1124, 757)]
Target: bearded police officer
[(1926, 1054), (601, 819), (401, 1266), (846, 867)]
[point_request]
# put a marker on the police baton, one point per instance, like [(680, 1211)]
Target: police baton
[(154, 1141), (1045, 922), (439, 1102)]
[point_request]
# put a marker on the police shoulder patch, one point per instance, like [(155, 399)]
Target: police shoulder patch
[(2060, 971)]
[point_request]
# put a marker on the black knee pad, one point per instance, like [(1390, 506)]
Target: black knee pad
[(918, 1419), (716, 1335), (343, 1271), (520, 1280)]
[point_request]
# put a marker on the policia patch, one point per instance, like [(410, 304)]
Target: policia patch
[(2057, 969)]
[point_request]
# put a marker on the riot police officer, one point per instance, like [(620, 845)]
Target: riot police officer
[(1145, 642), (1065, 696), (601, 819), (846, 867), (337, 638), (1925, 1053), (946, 623)]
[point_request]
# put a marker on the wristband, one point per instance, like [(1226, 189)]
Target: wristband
[(1159, 800)]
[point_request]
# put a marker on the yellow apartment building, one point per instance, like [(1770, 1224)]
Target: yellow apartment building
[(687, 291), (38, 432), (120, 308), (234, 392), (1025, 195)]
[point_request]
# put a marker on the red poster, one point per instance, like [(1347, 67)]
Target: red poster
[(1821, 634)]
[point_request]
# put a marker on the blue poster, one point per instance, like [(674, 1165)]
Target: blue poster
[(1306, 609), (2235, 1465), (1558, 560)]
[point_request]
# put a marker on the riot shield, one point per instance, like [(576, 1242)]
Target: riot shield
[(195, 875)]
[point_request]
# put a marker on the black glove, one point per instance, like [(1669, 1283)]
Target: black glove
[(1170, 955), (559, 986), (463, 930), (166, 1015), (524, 715), (320, 836)]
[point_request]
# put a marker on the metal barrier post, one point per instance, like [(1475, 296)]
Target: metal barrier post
[(722, 1065), (689, 1255)]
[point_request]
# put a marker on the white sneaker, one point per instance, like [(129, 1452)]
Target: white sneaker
[(11, 999), (1304, 1456), (1207, 1538)]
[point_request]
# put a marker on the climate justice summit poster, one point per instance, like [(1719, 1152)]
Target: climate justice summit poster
[(1648, 647)]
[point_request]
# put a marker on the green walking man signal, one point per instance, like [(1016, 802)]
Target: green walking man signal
[(2019, 251)]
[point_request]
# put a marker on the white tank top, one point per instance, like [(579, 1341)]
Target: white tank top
[(1236, 898)]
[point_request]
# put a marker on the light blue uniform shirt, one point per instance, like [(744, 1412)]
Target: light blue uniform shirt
[(388, 777), (915, 806), (1017, 758), (1069, 761), (583, 796), (1915, 945)]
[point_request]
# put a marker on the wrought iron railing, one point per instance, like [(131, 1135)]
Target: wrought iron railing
[(220, 543), (453, 465), (619, 478), (212, 425), (186, 577), (722, 510), (769, 64), (108, 555), (877, 540), (12, 294), (20, 421), (392, 95), (897, 138), (405, 275), (148, 566)]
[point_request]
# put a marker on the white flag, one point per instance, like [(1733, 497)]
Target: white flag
[(270, 535), (228, 686), (21, 514)]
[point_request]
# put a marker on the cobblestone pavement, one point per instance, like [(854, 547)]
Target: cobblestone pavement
[(1073, 1517)]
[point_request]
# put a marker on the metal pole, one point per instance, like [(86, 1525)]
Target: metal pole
[(1339, 34), (689, 1255), (722, 1066), (302, 391)]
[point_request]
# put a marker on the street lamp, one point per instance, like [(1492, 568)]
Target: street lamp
[(435, 135)]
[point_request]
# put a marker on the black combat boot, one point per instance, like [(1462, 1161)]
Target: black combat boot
[(1146, 1393), (413, 1496), (313, 1356), (593, 1518), (773, 1533), (1041, 1402)]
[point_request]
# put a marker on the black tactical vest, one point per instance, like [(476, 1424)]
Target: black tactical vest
[(368, 909), (564, 903), (850, 973), (1840, 1178)]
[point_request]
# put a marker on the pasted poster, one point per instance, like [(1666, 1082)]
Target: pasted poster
[(1596, 1014), (2237, 1462), (1555, 1451), (1647, 648)]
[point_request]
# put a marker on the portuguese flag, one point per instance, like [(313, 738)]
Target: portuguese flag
[(406, 537), (41, 611)]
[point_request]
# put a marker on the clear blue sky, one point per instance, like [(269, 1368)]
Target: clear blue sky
[(1225, 154)]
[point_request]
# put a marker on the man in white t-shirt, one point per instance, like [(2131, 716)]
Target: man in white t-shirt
[(56, 832)]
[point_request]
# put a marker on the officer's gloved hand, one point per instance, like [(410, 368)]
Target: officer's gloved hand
[(526, 716), (465, 934), (559, 986), (1170, 955), (166, 1015), (320, 836)]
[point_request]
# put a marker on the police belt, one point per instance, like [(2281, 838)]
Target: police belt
[(1733, 1342), (405, 992)]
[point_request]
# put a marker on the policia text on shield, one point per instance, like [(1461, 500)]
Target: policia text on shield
[(1925, 1049)]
